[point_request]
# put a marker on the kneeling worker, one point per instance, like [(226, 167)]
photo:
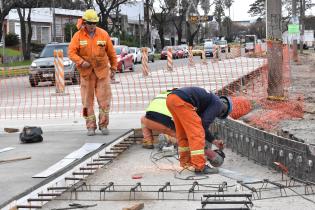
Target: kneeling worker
[(157, 118), (193, 110)]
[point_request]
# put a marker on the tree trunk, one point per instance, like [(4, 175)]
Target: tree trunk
[(161, 35), (21, 13), (302, 17), (27, 55), (275, 53)]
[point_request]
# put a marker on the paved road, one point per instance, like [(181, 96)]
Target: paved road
[(133, 92)]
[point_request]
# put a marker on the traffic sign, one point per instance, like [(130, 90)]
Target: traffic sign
[(293, 28), (204, 18)]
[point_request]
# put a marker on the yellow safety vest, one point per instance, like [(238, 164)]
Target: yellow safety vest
[(158, 104)]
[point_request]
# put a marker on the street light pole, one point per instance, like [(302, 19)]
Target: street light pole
[(294, 18), (54, 21), (3, 33)]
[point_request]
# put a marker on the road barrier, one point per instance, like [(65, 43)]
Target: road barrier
[(191, 57), (215, 53), (59, 71), (203, 57), (169, 59), (144, 61)]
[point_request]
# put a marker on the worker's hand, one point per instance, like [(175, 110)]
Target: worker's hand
[(112, 74), (218, 143), (85, 64)]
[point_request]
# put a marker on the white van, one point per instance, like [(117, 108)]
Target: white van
[(115, 40)]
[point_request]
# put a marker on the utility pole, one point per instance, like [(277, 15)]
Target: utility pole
[(140, 29), (54, 21), (3, 31), (147, 15), (294, 20), (302, 18), (275, 54)]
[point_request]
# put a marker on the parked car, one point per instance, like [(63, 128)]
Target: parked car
[(42, 69), (186, 49), (150, 55), (136, 53), (164, 52), (208, 48), (197, 50), (124, 58), (223, 45), (180, 53)]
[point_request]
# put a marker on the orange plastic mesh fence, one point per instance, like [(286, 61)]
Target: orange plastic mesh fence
[(234, 75)]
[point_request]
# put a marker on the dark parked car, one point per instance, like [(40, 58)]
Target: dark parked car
[(150, 55), (42, 69), (124, 58)]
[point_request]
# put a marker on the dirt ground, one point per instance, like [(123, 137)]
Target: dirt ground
[(294, 117), (303, 81)]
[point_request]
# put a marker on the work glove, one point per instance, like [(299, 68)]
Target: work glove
[(218, 143)]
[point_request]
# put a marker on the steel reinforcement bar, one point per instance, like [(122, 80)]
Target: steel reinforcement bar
[(293, 158)]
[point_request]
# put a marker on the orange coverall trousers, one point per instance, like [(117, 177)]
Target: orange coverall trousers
[(190, 133), (92, 86), (148, 126)]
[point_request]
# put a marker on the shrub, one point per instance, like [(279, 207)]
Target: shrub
[(11, 39), (36, 47)]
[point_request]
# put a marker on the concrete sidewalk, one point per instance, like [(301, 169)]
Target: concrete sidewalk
[(60, 139)]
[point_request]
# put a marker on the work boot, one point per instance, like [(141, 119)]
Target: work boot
[(148, 144), (91, 132), (207, 170), (105, 131)]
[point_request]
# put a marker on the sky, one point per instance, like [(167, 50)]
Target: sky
[(239, 10)]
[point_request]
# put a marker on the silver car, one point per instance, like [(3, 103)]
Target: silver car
[(42, 69)]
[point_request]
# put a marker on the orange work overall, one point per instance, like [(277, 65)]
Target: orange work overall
[(190, 133), (149, 125), (99, 52)]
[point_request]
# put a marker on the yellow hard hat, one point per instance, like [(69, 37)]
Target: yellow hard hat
[(90, 15)]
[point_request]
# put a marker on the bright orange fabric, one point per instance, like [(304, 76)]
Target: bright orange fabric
[(91, 86), (148, 126), (189, 131), (97, 50)]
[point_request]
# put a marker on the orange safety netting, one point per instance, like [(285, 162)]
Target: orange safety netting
[(236, 73)]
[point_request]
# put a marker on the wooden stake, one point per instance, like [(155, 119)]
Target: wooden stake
[(135, 207)]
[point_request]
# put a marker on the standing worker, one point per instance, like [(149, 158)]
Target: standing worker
[(193, 110), (158, 118), (93, 53)]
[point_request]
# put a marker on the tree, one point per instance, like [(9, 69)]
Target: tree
[(206, 6), (258, 8), (109, 12), (25, 37), (228, 4), (160, 16), (219, 13), (227, 28), (179, 19), (4, 11)]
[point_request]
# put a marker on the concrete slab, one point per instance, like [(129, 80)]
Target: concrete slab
[(155, 173), (16, 177)]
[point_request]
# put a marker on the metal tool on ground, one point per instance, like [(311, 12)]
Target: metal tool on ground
[(76, 206)]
